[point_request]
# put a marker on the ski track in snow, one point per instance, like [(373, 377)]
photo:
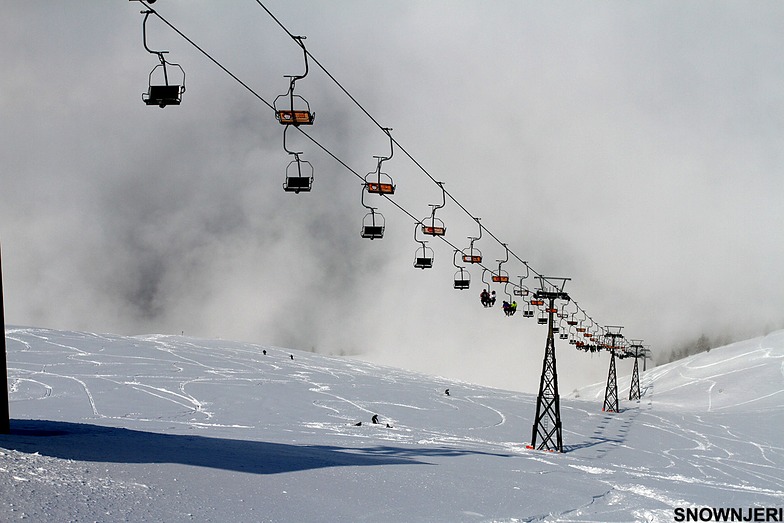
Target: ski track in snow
[(625, 465)]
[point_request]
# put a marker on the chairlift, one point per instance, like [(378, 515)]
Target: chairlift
[(435, 226), (542, 319), (473, 255), (528, 311), (462, 277), (511, 307), (502, 276), (522, 290), (299, 173), (373, 225), (423, 258), (377, 182), (297, 112), (299, 176), (168, 92), (490, 295)]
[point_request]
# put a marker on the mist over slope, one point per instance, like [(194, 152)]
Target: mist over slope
[(170, 428)]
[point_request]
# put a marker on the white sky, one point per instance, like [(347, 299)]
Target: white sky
[(634, 147)]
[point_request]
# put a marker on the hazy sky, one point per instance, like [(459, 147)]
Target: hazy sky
[(635, 147)]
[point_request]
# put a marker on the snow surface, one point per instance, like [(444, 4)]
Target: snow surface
[(170, 428)]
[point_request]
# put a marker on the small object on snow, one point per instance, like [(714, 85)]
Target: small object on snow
[(292, 356), (374, 419), (264, 352), (358, 424), (389, 426), (446, 392)]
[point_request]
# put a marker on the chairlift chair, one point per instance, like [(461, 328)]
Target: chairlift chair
[(422, 259), (528, 311), (295, 116), (382, 183), (297, 112), (434, 228), (373, 225), (166, 92), (473, 256), (501, 276), (380, 187), (299, 176), (542, 319), (462, 278)]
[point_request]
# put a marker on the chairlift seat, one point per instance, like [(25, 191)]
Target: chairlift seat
[(472, 258), (564, 336), (372, 231), (423, 263), (295, 117), (500, 278), (163, 95), (462, 284), (542, 321), (433, 230), (297, 184), (528, 313), (380, 188)]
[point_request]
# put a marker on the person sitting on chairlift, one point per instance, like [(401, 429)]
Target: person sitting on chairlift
[(484, 297), (492, 298)]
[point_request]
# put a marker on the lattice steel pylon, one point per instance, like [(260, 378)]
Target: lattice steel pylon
[(546, 433), (639, 352), (611, 392)]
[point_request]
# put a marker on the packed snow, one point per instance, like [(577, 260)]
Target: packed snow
[(170, 428)]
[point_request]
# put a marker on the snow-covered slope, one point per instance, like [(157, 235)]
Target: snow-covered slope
[(167, 428)]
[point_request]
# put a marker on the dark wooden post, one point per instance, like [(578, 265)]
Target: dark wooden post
[(5, 415)]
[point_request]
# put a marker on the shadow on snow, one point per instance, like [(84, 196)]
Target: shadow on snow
[(85, 442)]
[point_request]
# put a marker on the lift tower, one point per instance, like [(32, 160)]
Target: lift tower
[(611, 392), (546, 433), (638, 350)]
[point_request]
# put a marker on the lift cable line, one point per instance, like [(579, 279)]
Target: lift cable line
[(380, 126), (463, 281), (323, 147), (311, 138)]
